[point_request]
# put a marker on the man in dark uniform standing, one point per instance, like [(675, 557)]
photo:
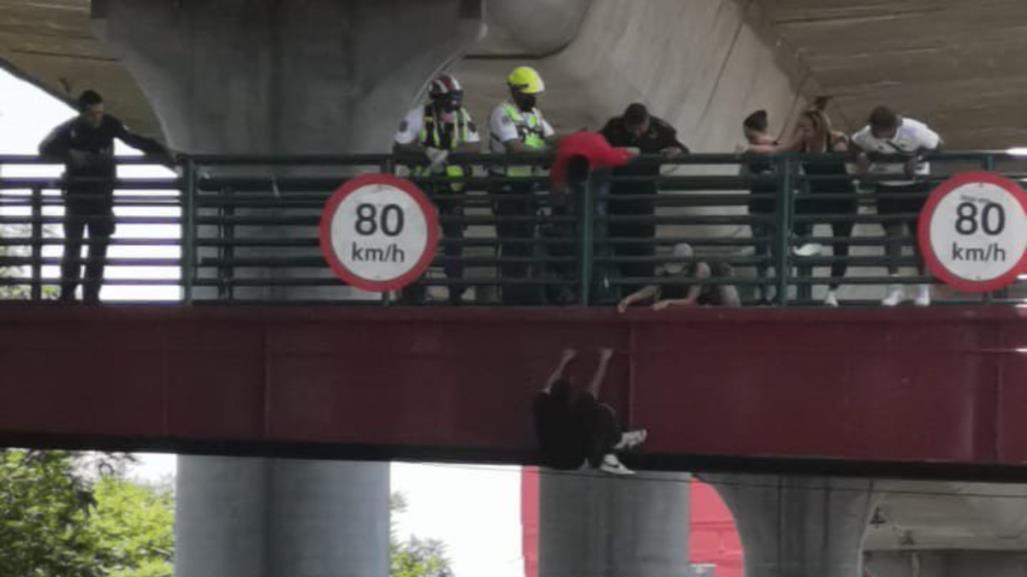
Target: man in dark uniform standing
[(636, 128), (86, 146)]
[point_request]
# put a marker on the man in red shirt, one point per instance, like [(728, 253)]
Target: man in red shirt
[(577, 156)]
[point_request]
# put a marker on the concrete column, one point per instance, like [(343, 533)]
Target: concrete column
[(283, 77), (601, 526), (798, 526), (947, 563)]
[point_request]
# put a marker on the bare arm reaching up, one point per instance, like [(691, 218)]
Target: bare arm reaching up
[(557, 374)]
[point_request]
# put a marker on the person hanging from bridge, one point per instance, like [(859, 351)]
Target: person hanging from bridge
[(575, 430), (85, 144), (685, 284), (435, 130)]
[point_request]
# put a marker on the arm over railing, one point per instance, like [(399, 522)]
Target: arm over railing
[(244, 229)]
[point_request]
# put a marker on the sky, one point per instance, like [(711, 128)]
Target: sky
[(474, 510)]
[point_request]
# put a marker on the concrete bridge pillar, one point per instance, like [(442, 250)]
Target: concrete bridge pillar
[(283, 77), (798, 526), (601, 526)]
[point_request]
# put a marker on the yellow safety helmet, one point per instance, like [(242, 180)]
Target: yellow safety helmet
[(527, 80)]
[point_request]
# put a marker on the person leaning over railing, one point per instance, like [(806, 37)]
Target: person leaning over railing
[(434, 130), (686, 286), (517, 126), (818, 137), (85, 144), (647, 134), (764, 202), (890, 134), (578, 155)]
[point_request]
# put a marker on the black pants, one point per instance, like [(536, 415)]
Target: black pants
[(517, 240), (809, 205), (97, 214), (910, 203), (641, 234), (601, 429), (454, 266)]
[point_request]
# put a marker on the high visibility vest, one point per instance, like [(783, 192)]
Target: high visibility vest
[(430, 135), (530, 130)]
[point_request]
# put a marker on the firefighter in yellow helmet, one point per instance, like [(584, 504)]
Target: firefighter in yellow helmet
[(440, 127), (517, 126)]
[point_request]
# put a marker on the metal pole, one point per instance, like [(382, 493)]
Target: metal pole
[(36, 290), (388, 166), (188, 230), (989, 165), (586, 238), (784, 204)]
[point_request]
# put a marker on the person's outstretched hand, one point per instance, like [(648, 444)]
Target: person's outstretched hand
[(605, 354), (623, 306), (568, 355)]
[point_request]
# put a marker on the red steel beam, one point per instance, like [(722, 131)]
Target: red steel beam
[(942, 385)]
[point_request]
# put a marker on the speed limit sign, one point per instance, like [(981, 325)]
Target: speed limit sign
[(378, 232), (973, 231)]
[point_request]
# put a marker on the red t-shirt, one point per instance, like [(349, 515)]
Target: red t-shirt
[(590, 145)]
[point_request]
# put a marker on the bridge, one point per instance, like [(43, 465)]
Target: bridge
[(790, 389), (840, 391)]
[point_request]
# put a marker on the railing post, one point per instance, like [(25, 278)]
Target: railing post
[(988, 164), (586, 237), (388, 166), (36, 290), (784, 209), (188, 230)]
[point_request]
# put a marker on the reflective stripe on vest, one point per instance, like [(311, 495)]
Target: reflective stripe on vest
[(531, 131), (459, 135)]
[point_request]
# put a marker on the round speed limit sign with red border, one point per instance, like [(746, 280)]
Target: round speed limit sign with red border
[(379, 232), (973, 231)]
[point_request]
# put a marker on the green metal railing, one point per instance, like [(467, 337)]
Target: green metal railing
[(244, 229)]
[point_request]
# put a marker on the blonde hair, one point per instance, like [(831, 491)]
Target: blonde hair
[(817, 115)]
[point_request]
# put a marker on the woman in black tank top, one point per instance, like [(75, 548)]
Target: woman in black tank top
[(819, 138), (764, 199)]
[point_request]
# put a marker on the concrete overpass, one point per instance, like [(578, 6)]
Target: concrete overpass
[(953, 64), (259, 77)]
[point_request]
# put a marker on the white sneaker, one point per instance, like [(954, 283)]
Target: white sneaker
[(894, 296), (631, 439), (831, 300), (923, 296), (808, 249), (612, 465)]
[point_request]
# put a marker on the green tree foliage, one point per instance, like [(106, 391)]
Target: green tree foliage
[(135, 524), (44, 517), (55, 521), (415, 557)]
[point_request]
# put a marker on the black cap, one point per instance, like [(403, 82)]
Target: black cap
[(756, 121), (636, 114)]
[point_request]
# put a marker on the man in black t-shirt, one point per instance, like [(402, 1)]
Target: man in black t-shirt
[(636, 128), (685, 284), (86, 146), (576, 430)]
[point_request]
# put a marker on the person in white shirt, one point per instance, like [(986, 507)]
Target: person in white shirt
[(440, 127), (891, 134), (517, 126)]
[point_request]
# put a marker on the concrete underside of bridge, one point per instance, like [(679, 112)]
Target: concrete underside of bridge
[(954, 64), (292, 77)]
